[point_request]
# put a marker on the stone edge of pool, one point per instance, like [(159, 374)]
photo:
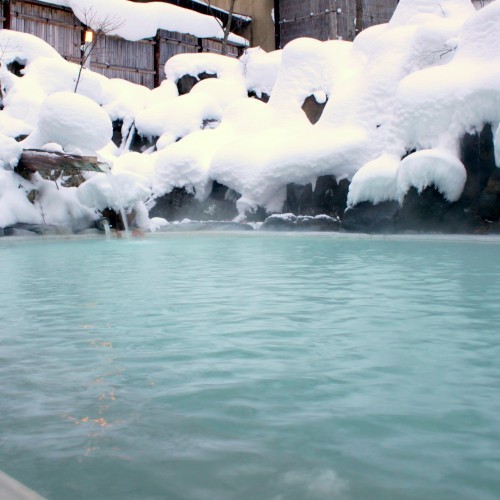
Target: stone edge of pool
[(12, 489)]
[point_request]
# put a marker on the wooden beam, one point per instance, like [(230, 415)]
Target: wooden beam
[(34, 160), (43, 4), (359, 16), (123, 68), (157, 61), (7, 14)]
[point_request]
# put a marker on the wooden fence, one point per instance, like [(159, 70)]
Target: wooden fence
[(140, 62)]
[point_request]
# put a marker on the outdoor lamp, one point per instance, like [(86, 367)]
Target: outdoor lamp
[(89, 36)]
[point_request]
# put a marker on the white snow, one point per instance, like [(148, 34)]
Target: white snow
[(14, 205), (10, 152), (194, 64), (432, 167), (375, 182), (260, 69), (74, 121)]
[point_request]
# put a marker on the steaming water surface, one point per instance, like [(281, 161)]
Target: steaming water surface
[(251, 367)]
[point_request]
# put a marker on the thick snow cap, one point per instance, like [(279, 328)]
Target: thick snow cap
[(75, 122), (432, 167)]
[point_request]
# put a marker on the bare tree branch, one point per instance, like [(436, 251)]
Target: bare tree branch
[(226, 29), (101, 26)]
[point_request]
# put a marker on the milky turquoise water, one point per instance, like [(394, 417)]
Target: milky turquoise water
[(251, 367)]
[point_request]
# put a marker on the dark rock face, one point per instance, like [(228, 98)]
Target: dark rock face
[(186, 83), (369, 218), (257, 215), (179, 205), (313, 109), (489, 201), (290, 222), (328, 197), (117, 137), (23, 229), (477, 153), (16, 68), (210, 123), (428, 211), (205, 226), (139, 143)]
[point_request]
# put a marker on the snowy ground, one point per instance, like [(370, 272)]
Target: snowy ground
[(417, 84)]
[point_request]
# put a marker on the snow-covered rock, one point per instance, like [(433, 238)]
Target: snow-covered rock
[(75, 122)]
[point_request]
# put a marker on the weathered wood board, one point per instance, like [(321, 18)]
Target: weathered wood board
[(34, 160)]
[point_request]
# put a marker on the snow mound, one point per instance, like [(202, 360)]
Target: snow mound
[(194, 64), (412, 11), (181, 116), (375, 182), (437, 105), (75, 122), (432, 167), (260, 69)]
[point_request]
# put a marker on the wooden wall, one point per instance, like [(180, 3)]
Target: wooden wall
[(139, 62), (58, 27), (118, 58), (330, 19)]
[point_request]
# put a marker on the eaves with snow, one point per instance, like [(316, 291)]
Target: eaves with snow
[(137, 21)]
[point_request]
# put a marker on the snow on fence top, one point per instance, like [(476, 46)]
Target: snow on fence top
[(136, 21)]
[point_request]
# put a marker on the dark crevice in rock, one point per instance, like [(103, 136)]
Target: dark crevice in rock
[(408, 152), (210, 123), (140, 144), (313, 109), (179, 205), (369, 218), (16, 68), (263, 97), (329, 197), (117, 137), (489, 201), (186, 83), (477, 153), (257, 215), (429, 211)]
